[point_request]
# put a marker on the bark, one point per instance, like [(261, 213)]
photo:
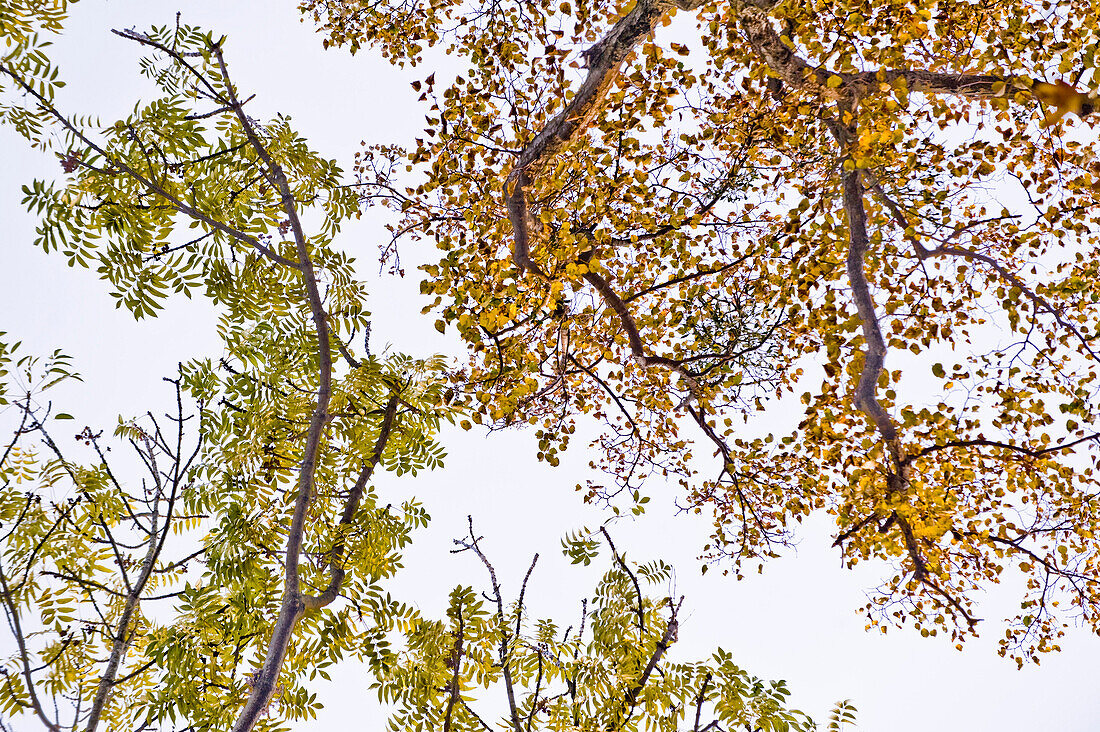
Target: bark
[(124, 630), (337, 572), (796, 71), (865, 398), (604, 60), (12, 612)]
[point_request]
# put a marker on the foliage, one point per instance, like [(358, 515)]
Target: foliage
[(190, 195), (87, 558), (214, 586), (490, 665), (22, 25), (674, 214)]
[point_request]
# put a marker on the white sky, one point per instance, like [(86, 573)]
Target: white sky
[(797, 621)]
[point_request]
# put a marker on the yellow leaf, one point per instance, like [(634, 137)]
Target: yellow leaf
[(1063, 97)]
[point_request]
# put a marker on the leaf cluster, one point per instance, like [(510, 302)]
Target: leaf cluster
[(489, 665)]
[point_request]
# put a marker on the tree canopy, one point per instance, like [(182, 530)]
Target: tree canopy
[(876, 220), (244, 551), (683, 219)]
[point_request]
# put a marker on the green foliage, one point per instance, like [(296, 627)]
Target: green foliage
[(87, 561), (30, 374), (488, 665), (171, 200), (187, 195), (22, 25), (843, 714), (581, 547)]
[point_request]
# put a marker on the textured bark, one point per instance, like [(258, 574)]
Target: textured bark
[(604, 59), (874, 362), (123, 630), (336, 571), (799, 73)]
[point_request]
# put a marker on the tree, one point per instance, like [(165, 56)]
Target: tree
[(283, 484), (667, 213), (84, 565), (608, 671), (274, 505)]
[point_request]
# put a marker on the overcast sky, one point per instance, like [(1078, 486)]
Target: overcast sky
[(797, 621)]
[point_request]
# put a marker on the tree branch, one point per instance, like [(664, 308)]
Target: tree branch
[(12, 611), (505, 637), (633, 578), (874, 360), (336, 571), (293, 603), (152, 187), (799, 73), (604, 60), (456, 662), (667, 639)]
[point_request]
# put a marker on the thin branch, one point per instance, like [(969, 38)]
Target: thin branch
[(1005, 274), (12, 612), (123, 633), (522, 592), (667, 639), (351, 505), (456, 663), (633, 578), (505, 639), (1004, 446), (152, 187), (684, 278), (535, 694), (699, 701)]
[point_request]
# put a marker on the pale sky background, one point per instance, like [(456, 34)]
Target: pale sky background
[(797, 621)]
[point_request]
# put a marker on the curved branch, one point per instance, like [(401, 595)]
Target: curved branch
[(1004, 446), (637, 347), (633, 578), (12, 611), (1000, 269), (604, 61), (799, 73), (293, 604), (875, 358)]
